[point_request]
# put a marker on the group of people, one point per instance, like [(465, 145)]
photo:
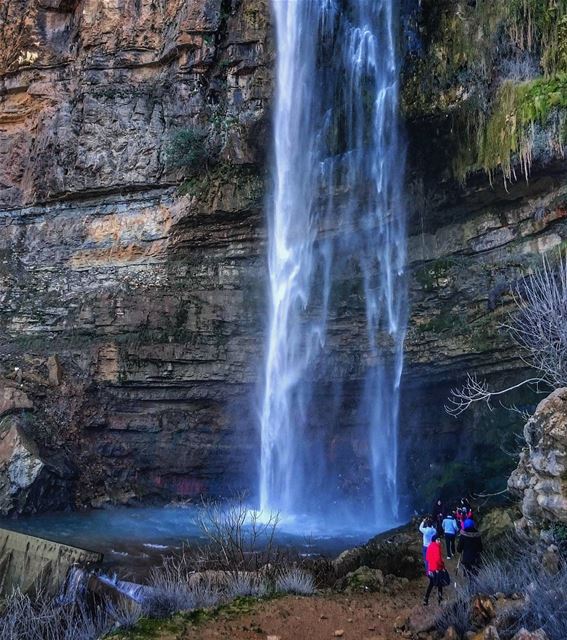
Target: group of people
[(459, 530)]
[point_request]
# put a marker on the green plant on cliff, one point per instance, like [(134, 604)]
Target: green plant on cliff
[(433, 274), (541, 25), (483, 62), (190, 149), (247, 182), (510, 129)]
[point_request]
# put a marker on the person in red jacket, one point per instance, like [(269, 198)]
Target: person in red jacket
[(435, 564)]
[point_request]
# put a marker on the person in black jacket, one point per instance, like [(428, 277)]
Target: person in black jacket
[(470, 548), (438, 513)]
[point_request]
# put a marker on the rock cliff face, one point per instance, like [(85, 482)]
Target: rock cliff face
[(146, 296), (147, 281), (540, 479)]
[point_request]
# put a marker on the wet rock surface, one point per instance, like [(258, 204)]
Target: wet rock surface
[(30, 481)]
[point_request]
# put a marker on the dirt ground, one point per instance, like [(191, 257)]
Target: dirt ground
[(327, 615), (358, 616), (352, 617)]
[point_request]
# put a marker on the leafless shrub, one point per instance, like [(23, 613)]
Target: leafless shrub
[(475, 390), (167, 595), (295, 580), (497, 577), (44, 619), (538, 326), (239, 558), (457, 614), (126, 613), (239, 540), (541, 603), (247, 584), (208, 591)]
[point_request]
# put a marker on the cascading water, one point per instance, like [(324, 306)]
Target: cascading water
[(336, 240)]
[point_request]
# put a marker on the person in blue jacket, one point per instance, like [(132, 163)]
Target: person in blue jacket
[(450, 529)]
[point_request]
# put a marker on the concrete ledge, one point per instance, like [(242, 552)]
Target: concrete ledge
[(26, 561)]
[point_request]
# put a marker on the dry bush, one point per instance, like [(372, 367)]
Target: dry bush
[(168, 594), (44, 618), (247, 584), (542, 603), (239, 539), (126, 613), (295, 580), (539, 325), (239, 558)]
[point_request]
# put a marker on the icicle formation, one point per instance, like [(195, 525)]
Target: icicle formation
[(336, 221)]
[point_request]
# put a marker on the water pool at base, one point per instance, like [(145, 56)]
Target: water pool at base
[(135, 539)]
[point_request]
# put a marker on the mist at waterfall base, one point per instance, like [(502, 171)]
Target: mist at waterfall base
[(337, 249), (133, 539)]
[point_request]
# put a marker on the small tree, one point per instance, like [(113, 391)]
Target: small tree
[(538, 326), (238, 538), (190, 149)]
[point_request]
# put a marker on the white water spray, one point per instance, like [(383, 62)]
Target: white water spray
[(336, 237)]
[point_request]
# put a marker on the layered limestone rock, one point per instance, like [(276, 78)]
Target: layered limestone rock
[(147, 282), (540, 479), (147, 296)]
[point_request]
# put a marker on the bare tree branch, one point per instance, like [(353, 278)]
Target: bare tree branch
[(525, 415), (538, 326), (475, 390)]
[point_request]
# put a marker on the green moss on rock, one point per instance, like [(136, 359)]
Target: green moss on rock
[(151, 628), (509, 130), (541, 26), (434, 274), (462, 74)]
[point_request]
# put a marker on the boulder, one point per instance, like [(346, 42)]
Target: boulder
[(539, 479), (348, 561), (423, 620), (495, 524), (12, 399), (29, 481), (508, 611), (364, 579), (482, 610), (54, 370), (397, 553)]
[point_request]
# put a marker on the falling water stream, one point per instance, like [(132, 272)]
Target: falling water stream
[(337, 248)]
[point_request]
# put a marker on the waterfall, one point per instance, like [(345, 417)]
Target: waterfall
[(336, 261)]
